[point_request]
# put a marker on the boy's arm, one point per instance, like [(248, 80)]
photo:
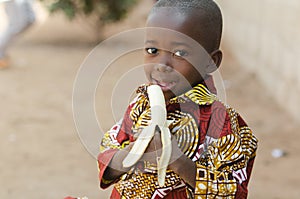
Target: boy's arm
[(218, 175), (115, 169), (109, 148), (224, 169), (117, 142), (113, 148)]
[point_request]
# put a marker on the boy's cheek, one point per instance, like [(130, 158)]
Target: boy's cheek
[(148, 69)]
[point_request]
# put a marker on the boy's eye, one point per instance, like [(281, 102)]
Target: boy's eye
[(180, 53), (151, 51)]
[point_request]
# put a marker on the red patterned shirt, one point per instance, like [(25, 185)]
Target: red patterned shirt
[(210, 133)]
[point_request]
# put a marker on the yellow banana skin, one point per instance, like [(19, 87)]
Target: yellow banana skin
[(158, 118)]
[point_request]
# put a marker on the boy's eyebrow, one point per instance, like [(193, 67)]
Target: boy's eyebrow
[(150, 42), (172, 43), (180, 44)]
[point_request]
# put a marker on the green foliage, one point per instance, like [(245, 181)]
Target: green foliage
[(106, 10)]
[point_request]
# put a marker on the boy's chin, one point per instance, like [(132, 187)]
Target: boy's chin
[(168, 94)]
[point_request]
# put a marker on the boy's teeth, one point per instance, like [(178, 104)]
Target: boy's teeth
[(164, 84)]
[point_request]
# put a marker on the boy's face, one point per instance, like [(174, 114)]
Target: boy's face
[(174, 60)]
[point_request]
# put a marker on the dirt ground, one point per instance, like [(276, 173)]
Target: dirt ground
[(42, 155)]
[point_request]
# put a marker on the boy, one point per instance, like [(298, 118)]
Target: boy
[(213, 150)]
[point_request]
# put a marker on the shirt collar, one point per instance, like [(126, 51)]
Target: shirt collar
[(202, 94)]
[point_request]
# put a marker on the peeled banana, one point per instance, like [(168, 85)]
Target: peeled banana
[(158, 119)]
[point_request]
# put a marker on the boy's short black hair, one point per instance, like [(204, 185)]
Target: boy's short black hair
[(213, 14)]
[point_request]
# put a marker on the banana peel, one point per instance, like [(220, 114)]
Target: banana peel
[(158, 120)]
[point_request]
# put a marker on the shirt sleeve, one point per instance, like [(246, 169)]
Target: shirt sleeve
[(113, 140), (224, 168)]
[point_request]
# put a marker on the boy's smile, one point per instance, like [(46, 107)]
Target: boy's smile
[(174, 59)]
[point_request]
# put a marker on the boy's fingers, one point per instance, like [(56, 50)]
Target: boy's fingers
[(157, 129), (136, 135), (157, 138)]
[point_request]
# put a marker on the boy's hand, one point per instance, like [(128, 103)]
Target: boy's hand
[(154, 148)]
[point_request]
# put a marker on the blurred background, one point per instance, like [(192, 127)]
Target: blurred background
[(42, 155)]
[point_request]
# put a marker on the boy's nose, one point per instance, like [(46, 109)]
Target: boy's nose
[(164, 63), (163, 67)]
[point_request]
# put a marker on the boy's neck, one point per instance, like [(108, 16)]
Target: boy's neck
[(208, 81)]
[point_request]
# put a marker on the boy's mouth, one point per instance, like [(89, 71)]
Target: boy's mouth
[(165, 86)]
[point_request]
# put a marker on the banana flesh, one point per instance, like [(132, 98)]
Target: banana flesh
[(158, 119)]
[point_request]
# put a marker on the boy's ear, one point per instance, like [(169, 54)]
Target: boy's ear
[(215, 62)]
